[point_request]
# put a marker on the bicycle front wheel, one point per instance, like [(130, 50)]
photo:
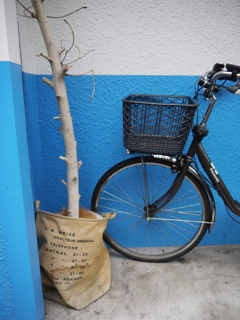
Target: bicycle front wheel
[(128, 188)]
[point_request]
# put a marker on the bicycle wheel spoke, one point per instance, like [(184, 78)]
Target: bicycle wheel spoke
[(114, 198), (118, 211), (168, 236), (174, 210), (123, 193)]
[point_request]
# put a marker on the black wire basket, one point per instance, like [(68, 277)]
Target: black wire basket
[(157, 124)]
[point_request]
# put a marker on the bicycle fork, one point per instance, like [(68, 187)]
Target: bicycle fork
[(152, 209), (181, 166), (146, 190)]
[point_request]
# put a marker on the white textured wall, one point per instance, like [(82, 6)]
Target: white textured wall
[(9, 50), (154, 37)]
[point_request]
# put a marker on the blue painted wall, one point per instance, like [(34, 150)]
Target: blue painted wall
[(20, 283), (20, 269), (6, 304), (98, 129)]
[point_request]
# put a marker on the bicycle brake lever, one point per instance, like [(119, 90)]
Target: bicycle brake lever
[(235, 89)]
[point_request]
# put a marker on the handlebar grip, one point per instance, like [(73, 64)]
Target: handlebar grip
[(218, 67), (232, 67)]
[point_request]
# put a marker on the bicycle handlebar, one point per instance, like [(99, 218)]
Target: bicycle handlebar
[(231, 73)]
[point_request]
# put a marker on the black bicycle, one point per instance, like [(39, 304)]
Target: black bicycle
[(163, 204)]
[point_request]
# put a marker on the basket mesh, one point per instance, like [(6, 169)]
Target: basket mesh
[(157, 124)]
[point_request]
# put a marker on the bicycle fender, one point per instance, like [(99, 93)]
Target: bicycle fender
[(212, 206)]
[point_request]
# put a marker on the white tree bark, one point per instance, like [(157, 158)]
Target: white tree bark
[(58, 84)]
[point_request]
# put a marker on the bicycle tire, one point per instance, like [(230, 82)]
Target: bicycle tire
[(172, 232)]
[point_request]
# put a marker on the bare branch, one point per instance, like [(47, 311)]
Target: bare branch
[(47, 81), (64, 182), (24, 16), (62, 50), (80, 57), (79, 164), (33, 15), (67, 14), (94, 87), (64, 69), (57, 117), (44, 56), (63, 158), (73, 38), (87, 53), (79, 74), (76, 60), (93, 81)]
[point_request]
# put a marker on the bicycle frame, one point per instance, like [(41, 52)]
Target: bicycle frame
[(182, 164), (216, 180), (200, 133)]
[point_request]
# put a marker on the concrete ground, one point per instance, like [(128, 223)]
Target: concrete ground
[(204, 285)]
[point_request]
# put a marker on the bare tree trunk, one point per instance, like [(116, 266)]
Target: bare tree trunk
[(58, 84)]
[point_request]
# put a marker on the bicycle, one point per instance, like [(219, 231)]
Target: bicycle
[(163, 204)]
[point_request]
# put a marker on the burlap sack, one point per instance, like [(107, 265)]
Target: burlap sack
[(73, 257)]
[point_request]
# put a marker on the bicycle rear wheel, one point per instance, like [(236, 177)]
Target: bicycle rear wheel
[(128, 187)]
